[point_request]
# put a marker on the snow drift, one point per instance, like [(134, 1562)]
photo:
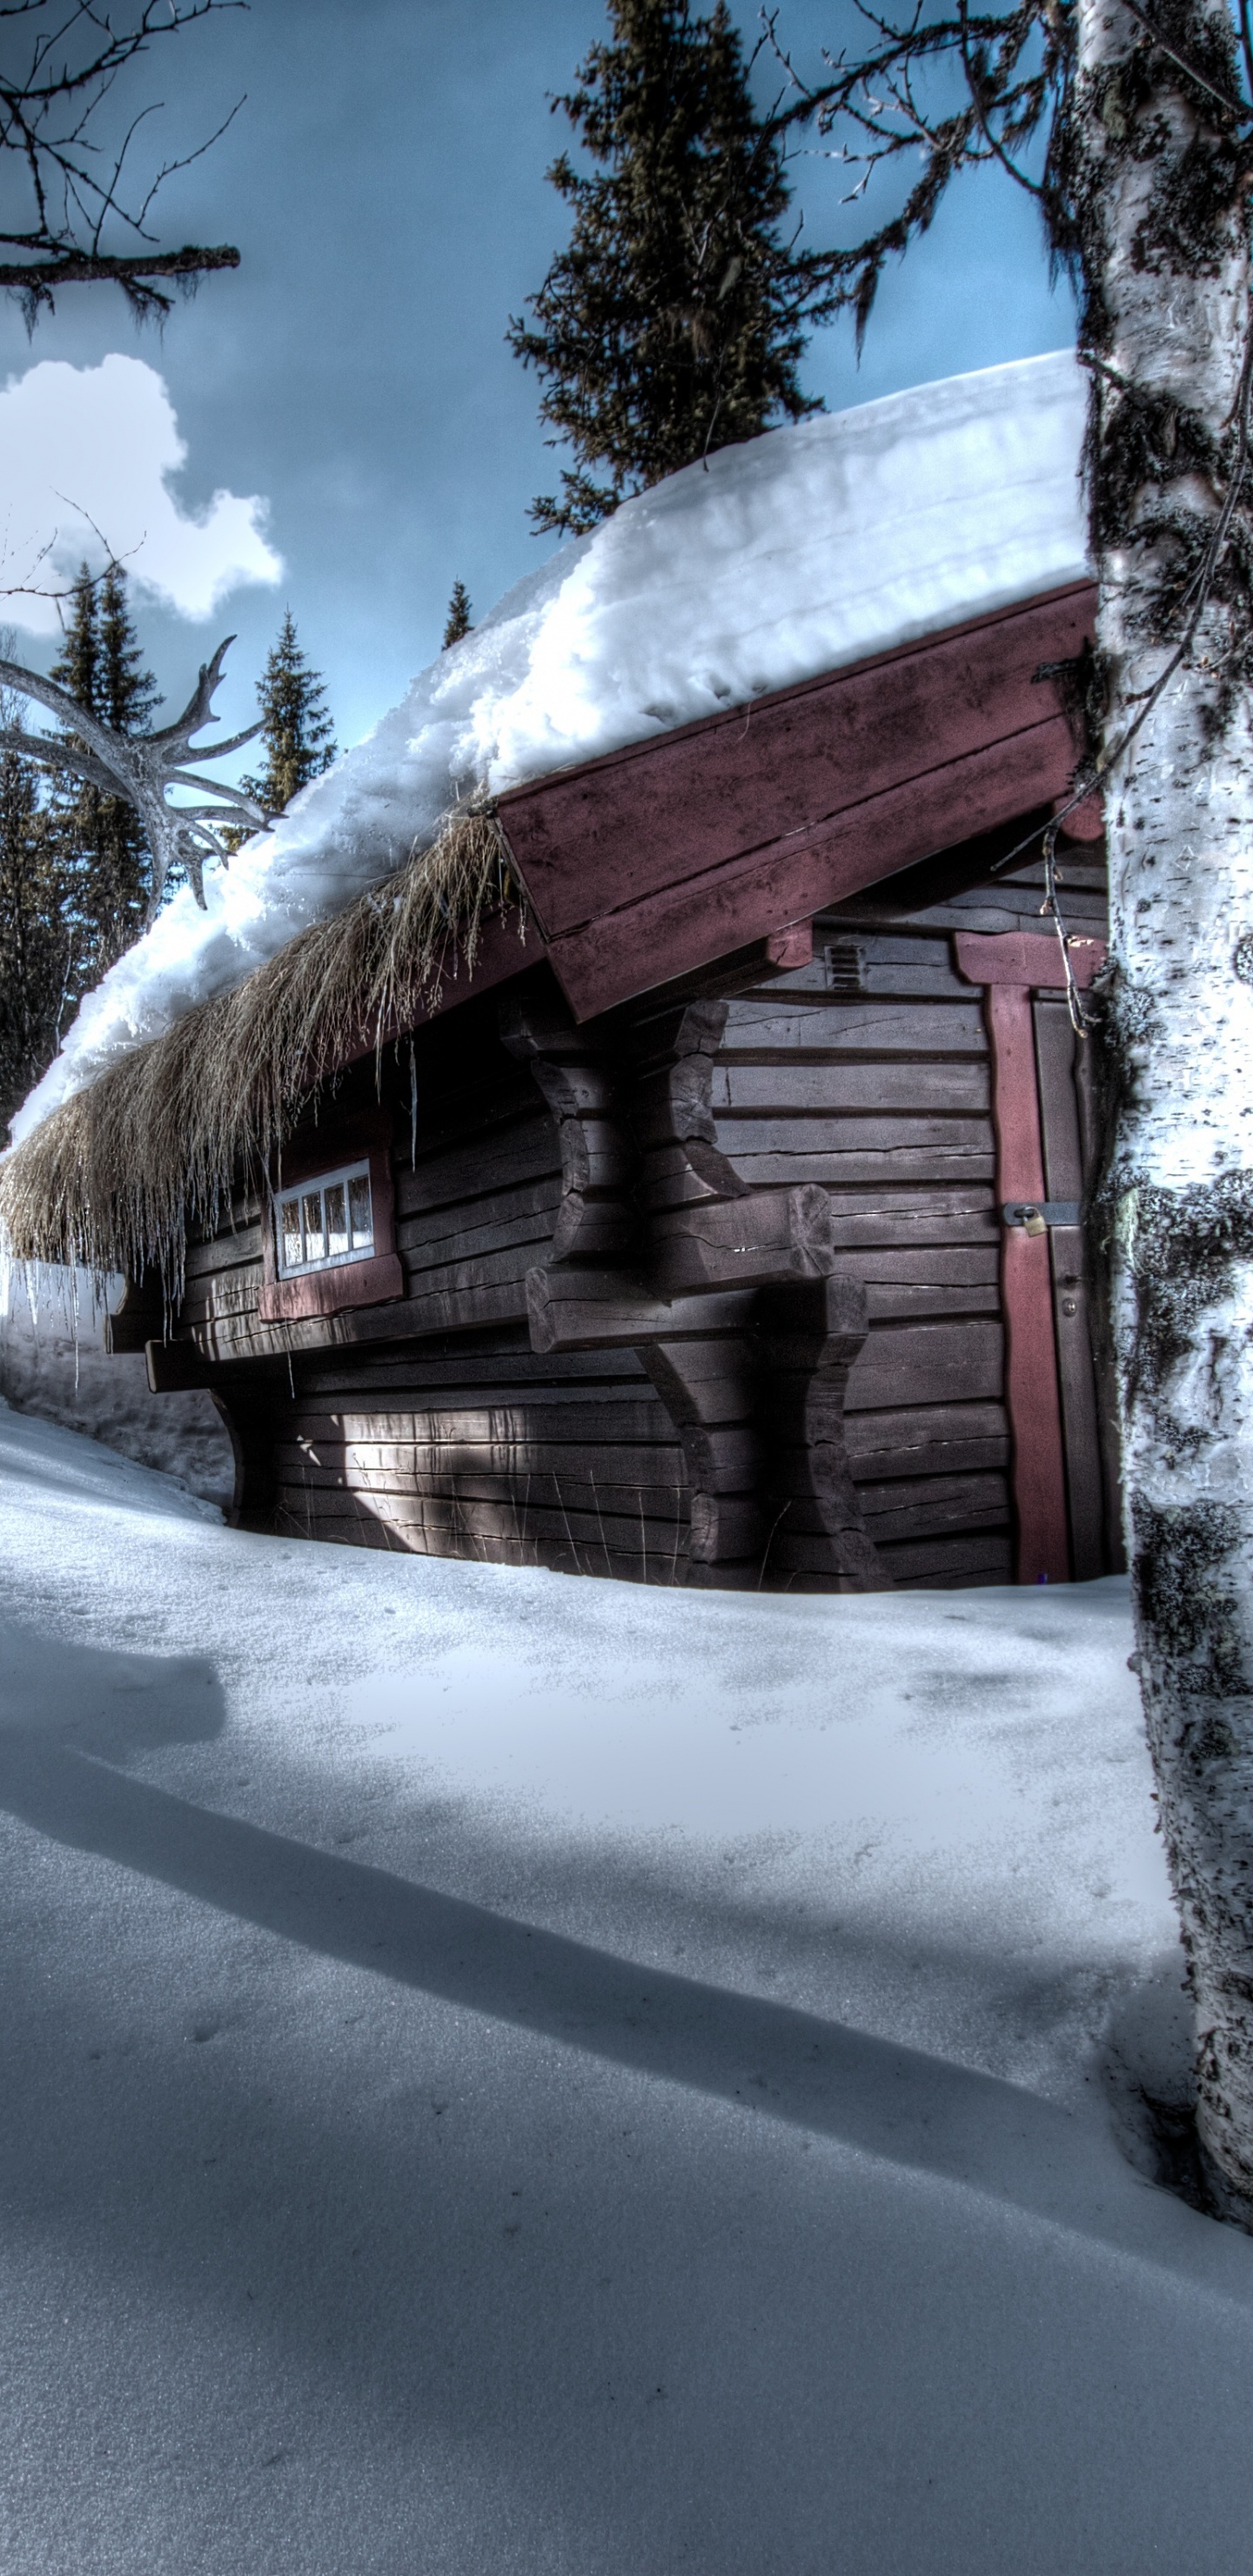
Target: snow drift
[(527, 2077), (773, 562)]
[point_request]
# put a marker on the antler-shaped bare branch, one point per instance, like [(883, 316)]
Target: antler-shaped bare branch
[(141, 766)]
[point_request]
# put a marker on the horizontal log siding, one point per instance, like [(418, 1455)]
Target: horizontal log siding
[(475, 1208), (868, 1072), (475, 1448), (1009, 901), (439, 1440)]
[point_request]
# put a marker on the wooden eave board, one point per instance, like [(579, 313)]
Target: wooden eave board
[(658, 859)]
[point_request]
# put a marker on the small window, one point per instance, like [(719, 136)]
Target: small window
[(325, 1222)]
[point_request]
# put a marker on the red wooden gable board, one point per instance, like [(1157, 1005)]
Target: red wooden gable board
[(661, 858)]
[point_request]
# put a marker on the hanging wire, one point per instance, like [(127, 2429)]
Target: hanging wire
[(1194, 601), (1080, 1020)]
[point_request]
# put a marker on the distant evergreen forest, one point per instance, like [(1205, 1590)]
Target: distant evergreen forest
[(75, 869)]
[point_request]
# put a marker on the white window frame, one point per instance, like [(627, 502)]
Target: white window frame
[(344, 1173)]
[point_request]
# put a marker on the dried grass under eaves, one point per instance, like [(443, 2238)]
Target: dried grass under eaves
[(113, 1179)]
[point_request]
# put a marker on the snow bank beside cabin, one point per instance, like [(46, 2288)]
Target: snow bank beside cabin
[(518, 2076), (53, 1364), (780, 559)]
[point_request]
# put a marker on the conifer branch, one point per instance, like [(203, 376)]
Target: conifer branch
[(674, 322)]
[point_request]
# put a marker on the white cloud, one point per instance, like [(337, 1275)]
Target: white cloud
[(98, 444)]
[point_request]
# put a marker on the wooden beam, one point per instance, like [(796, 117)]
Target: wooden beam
[(1055, 1045), (687, 925), (1009, 965), (1027, 958), (1039, 1470), (620, 829), (174, 1367)]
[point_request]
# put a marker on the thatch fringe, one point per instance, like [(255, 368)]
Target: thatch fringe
[(113, 1179)]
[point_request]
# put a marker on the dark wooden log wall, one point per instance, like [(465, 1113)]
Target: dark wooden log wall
[(469, 1447), (868, 1073), (392, 1428), (435, 1423)]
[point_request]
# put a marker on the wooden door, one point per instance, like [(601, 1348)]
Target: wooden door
[(1057, 1052), (1058, 1475)]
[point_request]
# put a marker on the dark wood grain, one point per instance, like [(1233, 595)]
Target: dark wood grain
[(926, 1440), (525, 1149), (843, 1170), (921, 1085), (763, 1027), (935, 1507), (927, 1364), (691, 923), (622, 828)]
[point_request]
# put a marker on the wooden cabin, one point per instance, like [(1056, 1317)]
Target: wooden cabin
[(723, 1226)]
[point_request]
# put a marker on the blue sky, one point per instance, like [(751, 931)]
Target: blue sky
[(384, 182)]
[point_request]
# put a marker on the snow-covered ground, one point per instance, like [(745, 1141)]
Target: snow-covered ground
[(53, 1363), (513, 2076), (791, 555)]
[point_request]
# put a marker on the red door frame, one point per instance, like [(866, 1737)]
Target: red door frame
[(1011, 966)]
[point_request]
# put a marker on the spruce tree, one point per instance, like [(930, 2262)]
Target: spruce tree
[(37, 942), (458, 620), (103, 843), (675, 321), (297, 730)]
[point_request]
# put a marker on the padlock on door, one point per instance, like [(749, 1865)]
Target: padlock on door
[(1037, 1218)]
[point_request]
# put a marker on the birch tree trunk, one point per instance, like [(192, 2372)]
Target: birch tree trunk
[(1162, 185)]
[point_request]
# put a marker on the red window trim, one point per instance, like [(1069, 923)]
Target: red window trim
[(353, 1283)]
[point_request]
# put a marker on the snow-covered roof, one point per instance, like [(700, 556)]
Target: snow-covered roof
[(807, 549)]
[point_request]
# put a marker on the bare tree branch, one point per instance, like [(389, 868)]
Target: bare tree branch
[(141, 767), (55, 114)]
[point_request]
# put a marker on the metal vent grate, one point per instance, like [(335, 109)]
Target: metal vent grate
[(844, 966)]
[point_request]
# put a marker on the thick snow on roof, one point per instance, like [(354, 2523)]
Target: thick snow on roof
[(798, 552)]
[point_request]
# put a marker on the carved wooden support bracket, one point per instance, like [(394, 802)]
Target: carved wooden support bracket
[(759, 1411), (808, 1334), (642, 1174), (597, 1214), (726, 1295), (708, 1387), (671, 1106)]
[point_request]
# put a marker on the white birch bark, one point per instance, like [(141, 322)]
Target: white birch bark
[(1180, 833)]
